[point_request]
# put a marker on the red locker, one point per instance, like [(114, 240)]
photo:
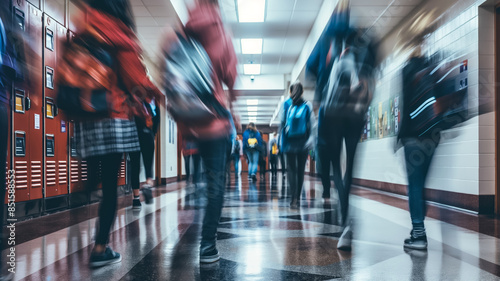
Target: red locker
[(56, 138), (28, 105)]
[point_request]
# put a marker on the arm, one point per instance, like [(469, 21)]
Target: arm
[(310, 144)]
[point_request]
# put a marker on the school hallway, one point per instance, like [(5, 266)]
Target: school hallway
[(261, 238)]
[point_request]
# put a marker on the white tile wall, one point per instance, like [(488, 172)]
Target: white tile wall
[(465, 159)]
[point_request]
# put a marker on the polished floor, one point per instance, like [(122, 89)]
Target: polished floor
[(260, 238)]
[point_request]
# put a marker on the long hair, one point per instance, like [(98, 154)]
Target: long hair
[(296, 91), (119, 9)]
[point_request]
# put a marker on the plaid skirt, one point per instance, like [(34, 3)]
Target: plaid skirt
[(106, 136)]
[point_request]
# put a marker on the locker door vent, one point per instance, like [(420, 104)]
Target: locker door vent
[(21, 174), (51, 173), (36, 174), (63, 172), (74, 171)]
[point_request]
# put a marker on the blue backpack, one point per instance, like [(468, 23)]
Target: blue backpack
[(297, 121)]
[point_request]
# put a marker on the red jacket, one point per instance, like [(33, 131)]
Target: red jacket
[(129, 66), (205, 25)]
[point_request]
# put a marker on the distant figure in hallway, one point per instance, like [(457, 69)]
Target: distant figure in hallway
[(236, 156), (298, 139), (343, 63), (263, 158), (146, 130), (252, 140), (191, 159), (286, 105), (274, 152)]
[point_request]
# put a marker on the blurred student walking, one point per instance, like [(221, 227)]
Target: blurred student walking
[(107, 138), (298, 139)]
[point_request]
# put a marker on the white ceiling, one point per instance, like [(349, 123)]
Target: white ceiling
[(285, 30)]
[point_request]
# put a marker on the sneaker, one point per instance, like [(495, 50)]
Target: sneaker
[(148, 194), (105, 258), (416, 242), (136, 204), (294, 205), (254, 177), (210, 257), (345, 239)]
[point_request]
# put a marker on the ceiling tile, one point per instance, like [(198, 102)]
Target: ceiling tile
[(161, 11), (145, 21), (309, 5), (140, 11)]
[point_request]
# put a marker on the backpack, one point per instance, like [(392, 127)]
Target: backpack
[(252, 141), (439, 99), (297, 121), (345, 94), (189, 84), (86, 77), (274, 149)]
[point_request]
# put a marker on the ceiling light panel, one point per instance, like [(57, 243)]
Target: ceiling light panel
[(251, 10), (252, 102), (251, 46), (252, 113), (252, 108), (251, 69)]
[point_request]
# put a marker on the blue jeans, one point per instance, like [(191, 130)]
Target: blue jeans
[(418, 158), (236, 159), (253, 162), (213, 155)]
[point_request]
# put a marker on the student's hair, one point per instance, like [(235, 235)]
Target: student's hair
[(296, 89), (119, 9), (251, 126)]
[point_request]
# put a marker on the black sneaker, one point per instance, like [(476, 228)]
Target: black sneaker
[(136, 204), (210, 257), (416, 242), (105, 258), (254, 177), (148, 194)]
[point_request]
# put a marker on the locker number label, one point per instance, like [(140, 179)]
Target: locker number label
[(37, 121)]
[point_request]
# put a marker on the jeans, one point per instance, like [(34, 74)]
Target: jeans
[(253, 161), (296, 171), (236, 159), (418, 158), (213, 154), (110, 165), (274, 163), (147, 143), (334, 132), (4, 133)]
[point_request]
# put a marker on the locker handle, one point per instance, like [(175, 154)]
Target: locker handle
[(27, 103)]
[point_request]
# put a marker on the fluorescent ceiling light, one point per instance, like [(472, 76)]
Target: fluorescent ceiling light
[(252, 102), (251, 69), (251, 46), (252, 113), (251, 10), (252, 119), (252, 108)]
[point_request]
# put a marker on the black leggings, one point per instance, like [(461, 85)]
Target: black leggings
[(147, 142), (296, 170), (110, 165), (335, 134)]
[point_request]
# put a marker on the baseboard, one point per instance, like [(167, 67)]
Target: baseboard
[(482, 204), (168, 180)]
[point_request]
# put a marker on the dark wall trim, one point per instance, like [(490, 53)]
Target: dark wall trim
[(168, 180), (482, 204)]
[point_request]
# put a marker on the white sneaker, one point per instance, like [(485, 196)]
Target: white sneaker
[(345, 239)]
